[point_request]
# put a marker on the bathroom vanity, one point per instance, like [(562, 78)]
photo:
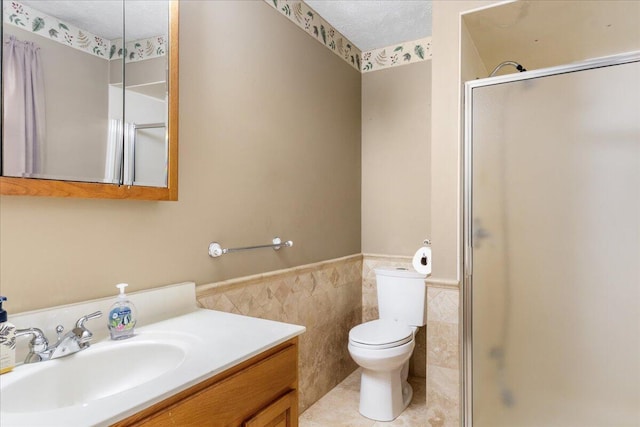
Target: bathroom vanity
[(184, 366), (260, 392)]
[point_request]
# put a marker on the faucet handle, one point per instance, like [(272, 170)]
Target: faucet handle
[(38, 343), (80, 322), (59, 331), (83, 334)]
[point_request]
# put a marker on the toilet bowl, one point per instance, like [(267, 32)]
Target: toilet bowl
[(384, 359), (383, 347)]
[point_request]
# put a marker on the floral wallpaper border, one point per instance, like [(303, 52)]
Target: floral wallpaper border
[(139, 50), (395, 55), (312, 23), (32, 20), (298, 12)]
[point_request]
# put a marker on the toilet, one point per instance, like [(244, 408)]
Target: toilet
[(383, 347)]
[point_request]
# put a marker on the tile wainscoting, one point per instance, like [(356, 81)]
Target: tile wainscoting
[(331, 297), (325, 297), (443, 349)]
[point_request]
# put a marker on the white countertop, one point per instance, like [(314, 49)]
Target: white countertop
[(216, 341)]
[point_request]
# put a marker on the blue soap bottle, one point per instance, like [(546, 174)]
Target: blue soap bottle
[(122, 316)]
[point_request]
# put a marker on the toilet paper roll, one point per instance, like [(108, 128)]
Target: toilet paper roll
[(422, 260)]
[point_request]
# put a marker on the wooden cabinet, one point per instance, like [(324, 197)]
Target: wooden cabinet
[(280, 413), (261, 392)]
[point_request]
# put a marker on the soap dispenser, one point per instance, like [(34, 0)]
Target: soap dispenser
[(122, 316), (7, 341)]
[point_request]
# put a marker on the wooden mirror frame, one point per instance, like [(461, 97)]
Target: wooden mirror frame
[(52, 188)]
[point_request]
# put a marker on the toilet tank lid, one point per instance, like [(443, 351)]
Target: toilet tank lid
[(399, 272)]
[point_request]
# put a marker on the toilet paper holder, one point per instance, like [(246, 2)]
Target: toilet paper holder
[(423, 260)]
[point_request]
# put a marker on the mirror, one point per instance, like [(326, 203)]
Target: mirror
[(90, 96)]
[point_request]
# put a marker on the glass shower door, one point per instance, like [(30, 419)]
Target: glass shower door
[(553, 232)]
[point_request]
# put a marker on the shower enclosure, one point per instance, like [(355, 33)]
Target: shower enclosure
[(551, 298)]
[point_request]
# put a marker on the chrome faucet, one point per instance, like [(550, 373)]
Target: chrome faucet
[(72, 342), (38, 345)]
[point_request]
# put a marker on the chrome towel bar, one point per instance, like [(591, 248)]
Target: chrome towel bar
[(215, 250), (148, 125)]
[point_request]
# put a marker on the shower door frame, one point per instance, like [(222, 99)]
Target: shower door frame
[(466, 339)]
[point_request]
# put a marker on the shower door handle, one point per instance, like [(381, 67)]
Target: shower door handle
[(478, 233)]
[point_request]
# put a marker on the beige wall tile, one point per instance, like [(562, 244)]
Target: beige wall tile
[(442, 345), (442, 305), (443, 349), (331, 297), (325, 297), (418, 361), (442, 397)]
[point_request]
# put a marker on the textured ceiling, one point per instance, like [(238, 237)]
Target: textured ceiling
[(144, 18), (371, 24)]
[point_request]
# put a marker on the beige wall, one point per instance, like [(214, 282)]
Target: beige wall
[(139, 72), (269, 145), (472, 66), (541, 34), (449, 69), (396, 137), (445, 135), (549, 34)]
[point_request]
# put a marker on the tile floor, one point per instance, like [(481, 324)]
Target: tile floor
[(339, 407)]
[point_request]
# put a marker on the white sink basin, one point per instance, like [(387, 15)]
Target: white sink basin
[(102, 370), (112, 380)]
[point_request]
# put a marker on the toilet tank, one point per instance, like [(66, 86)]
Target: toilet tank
[(402, 296)]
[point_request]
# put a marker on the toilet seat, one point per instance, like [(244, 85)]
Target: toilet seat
[(380, 334)]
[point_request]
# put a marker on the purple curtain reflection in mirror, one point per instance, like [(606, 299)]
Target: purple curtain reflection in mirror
[(24, 108)]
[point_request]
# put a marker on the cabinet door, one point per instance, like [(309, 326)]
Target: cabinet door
[(281, 413)]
